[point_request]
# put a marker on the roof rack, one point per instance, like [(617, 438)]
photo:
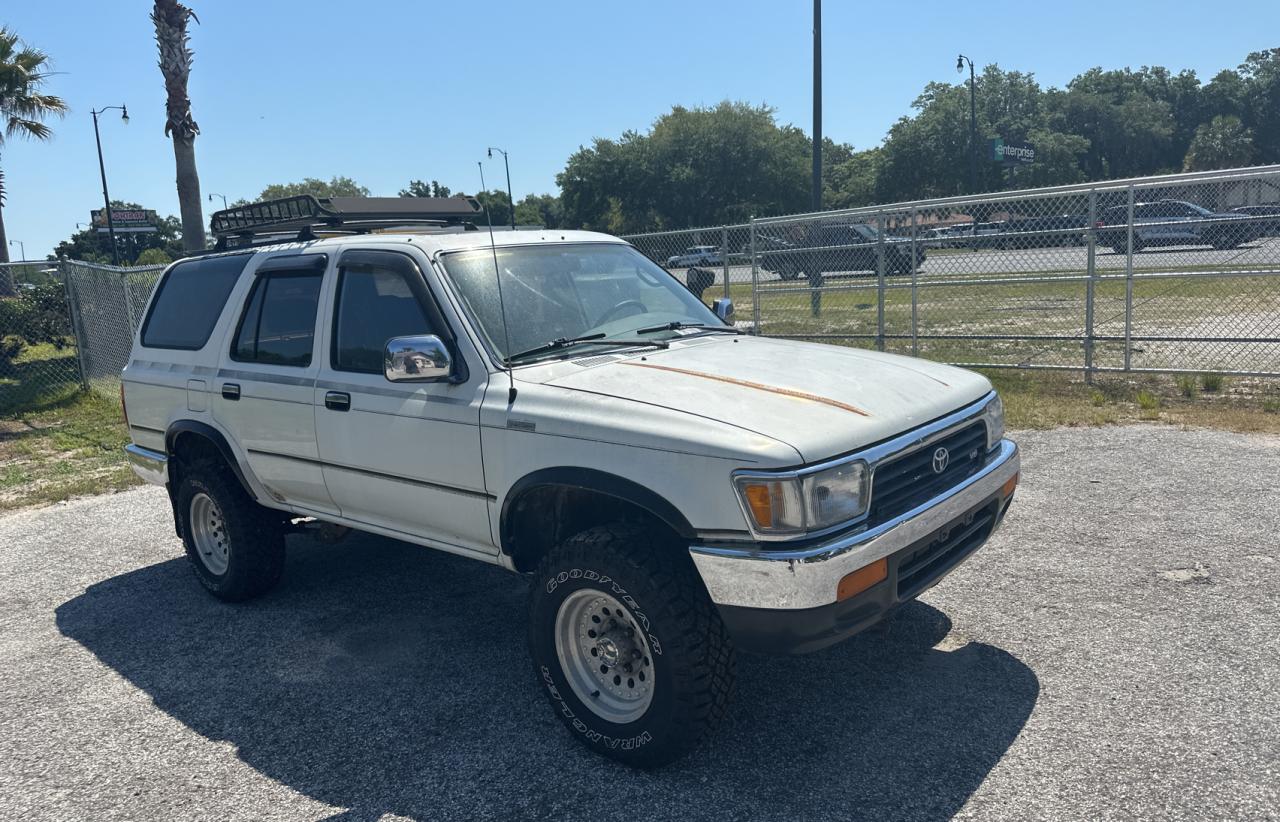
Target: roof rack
[(240, 226)]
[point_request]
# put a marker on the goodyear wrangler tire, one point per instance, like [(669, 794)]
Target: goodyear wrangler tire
[(628, 646), (235, 546)]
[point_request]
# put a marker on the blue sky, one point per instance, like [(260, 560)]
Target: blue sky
[(388, 90)]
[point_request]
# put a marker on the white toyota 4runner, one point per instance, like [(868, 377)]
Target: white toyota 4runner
[(555, 403)]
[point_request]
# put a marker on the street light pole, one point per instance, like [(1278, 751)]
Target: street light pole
[(224, 199), (22, 249), (102, 169), (510, 196), (817, 105), (973, 123)]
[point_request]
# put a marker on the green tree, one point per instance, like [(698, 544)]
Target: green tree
[(170, 18), (1223, 142), (23, 108), (497, 206), (335, 187), (852, 182), (417, 188), (699, 166), (1261, 112), (153, 256), (540, 209)]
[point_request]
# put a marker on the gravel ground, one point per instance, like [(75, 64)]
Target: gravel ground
[(1112, 654)]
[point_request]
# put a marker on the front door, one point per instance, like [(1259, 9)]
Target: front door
[(401, 456)]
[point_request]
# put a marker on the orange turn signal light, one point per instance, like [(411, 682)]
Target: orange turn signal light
[(862, 579), (760, 498), (1010, 485)]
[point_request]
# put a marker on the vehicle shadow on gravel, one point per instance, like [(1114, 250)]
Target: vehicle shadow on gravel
[(385, 678)]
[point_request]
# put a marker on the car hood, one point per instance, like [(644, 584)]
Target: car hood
[(822, 400)]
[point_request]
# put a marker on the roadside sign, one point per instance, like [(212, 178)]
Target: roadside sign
[(1012, 154), (126, 220)]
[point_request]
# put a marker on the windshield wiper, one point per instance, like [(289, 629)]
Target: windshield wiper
[(593, 339), (678, 326)]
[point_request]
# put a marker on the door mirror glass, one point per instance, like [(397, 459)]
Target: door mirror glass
[(723, 308), (417, 359)]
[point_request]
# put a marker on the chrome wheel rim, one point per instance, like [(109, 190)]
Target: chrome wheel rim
[(209, 534), (605, 656)]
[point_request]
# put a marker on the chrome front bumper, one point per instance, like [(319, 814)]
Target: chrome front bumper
[(807, 578), (151, 466)]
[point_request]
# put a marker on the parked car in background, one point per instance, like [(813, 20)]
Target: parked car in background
[(1266, 218), (836, 248), (696, 255), (1045, 232), (1173, 222)]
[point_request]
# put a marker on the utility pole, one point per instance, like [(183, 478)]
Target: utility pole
[(973, 123), (817, 105)]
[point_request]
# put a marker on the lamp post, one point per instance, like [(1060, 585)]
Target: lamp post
[(973, 123), (21, 248), (102, 169), (224, 199), (510, 196), (817, 106)]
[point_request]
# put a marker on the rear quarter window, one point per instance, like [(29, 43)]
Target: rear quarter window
[(189, 301)]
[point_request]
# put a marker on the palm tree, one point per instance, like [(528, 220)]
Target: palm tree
[(23, 70), (170, 18)]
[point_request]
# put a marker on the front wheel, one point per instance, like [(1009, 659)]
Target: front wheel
[(628, 646)]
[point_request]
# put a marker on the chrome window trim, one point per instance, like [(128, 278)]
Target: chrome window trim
[(873, 456)]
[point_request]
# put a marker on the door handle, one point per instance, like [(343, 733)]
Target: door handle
[(230, 391), (337, 401)]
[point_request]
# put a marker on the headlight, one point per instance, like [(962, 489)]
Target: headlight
[(995, 421), (808, 502)]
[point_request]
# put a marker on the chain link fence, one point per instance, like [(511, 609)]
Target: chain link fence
[(107, 304), (1179, 273), (66, 327), (1174, 274), (709, 260)]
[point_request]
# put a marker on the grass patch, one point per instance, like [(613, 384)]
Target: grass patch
[(68, 447), (1186, 385), (1211, 383), (1049, 399)]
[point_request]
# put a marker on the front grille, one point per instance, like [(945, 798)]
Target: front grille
[(923, 565), (901, 484)]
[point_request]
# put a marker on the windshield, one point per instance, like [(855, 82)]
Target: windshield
[(566, 291)]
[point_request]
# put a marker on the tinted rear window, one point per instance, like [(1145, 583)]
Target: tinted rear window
[(189, 302)]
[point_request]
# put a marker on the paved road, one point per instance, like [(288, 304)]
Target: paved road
[(1112, 654), (990, 261)]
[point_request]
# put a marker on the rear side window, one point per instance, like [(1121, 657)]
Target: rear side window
[(189, 302), (376, 303), (279, 321)]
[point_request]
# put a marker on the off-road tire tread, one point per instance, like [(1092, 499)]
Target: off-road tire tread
[(256, 533), (707, 682)]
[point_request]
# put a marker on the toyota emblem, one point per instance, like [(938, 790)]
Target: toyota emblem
[(940, 459)]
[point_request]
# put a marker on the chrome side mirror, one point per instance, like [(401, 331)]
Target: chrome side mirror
[(416, 359), (723, 308)]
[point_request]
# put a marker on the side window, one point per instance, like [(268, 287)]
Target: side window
[(376, 302), (279, 321), (189, 301)]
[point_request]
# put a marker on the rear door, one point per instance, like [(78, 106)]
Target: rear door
[(264, 390), (403, 456)]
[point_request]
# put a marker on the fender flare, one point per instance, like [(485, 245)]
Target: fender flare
[(219, 441), (602, 482)]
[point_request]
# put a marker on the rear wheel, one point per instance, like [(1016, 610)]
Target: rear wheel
[(235, 546), (628, 646)]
